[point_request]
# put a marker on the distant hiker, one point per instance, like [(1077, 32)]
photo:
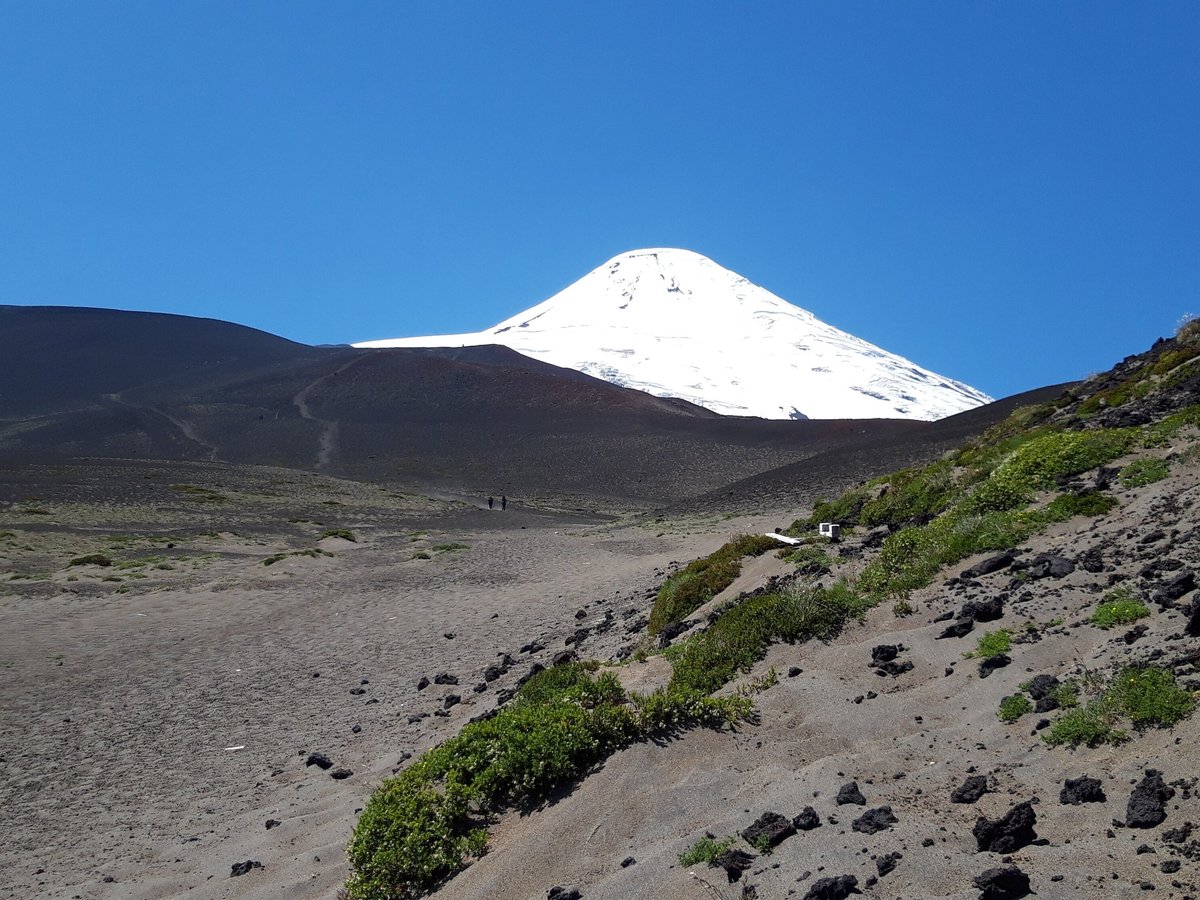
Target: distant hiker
[(503, 502), (491, 502)]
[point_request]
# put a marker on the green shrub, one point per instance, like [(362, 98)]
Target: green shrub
[(449, 548), (993, 643), (705, 850), (741, 635), (1161, 433), (1091, 725), (1142, 472), (902, 608), (344, 533), (201, 494), (911, 494), (844, 510), (91, 559), (702, 579), (1012, 708), (1066, 693), (1121, 608), (812, 560), (1068, 506), (1150, 696)]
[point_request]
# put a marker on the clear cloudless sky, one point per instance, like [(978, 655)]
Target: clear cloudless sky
[(1005, 192)]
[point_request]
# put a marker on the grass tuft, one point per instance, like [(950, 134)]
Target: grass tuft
[(702, 579)]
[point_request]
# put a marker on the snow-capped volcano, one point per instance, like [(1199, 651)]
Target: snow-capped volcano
[(676, 324)]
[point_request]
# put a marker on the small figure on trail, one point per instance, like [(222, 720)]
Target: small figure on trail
[(503, 502), (491, 502)]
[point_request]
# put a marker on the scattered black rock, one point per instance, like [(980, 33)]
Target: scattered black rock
[(734, 862), (838, 888), (562, 893), (243, 868), (807, 820), (794, 671), (1007, 834), (959, 629), (885, 653), (423, 683), (945, 617), (451, 700), (874, 820), (273, 823), (1173, 589), (1147, 804), (886, 864), (627, 862), (990, 565), (992, 663), (562, 657), (1082, 790), (970, 790), (850, 793), (1169, 866), (491, 673), (1193, 625), (445, 678), (1041, 686), (355, 729), (1091, 560), (983, 610), (358, 691), (894, 668), (1002, 883), (340, 774), (769, 828), (320, 760), (1046, 565)]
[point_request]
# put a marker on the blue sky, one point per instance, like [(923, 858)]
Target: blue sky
[(1007, 193)]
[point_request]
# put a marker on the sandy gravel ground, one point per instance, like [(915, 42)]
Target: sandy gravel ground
[(151, 737)]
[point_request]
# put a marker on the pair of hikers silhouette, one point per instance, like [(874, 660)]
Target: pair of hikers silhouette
[(503, 502)]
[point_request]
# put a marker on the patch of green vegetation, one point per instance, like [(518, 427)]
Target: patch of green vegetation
[(993, 644), (1160, 434), (449, 548), (844, 510), (911, 494), (810, 559), (1066, 693), (200, 494), (705, 850), (1120, 607), (902, 608), (1142, 472), (313, 552), (7, 535), (91, 559), (344, 533), (740, 636), (1013, 707), (421, 826), (1146, 696), (702, 579)]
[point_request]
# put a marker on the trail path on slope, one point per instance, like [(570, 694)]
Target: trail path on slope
[(186, 428), (327, 444)]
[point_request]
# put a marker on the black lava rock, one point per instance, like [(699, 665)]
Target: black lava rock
[(445, 678), (838, 888), (886, 864), (1147, 804), (885, 653), (850, 793), (1008, 834), (1042, 686), (1048, 565), (627, 862), (423, 683), (894, 668), (983, 610), (1002, 883), (320, 760), (273, 823), (807, 820), (959, 629), (734, 862), (992, 663), (970, 790), (771, 828), (562, 893), (243, 868), (1082, 790), (989, 565), (340, 774), (874, 820)]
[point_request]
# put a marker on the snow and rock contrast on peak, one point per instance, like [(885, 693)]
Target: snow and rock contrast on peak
[(675, 324)]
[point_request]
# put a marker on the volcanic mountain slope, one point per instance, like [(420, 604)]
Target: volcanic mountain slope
[(674, 323), (988, 689), (140, 385)]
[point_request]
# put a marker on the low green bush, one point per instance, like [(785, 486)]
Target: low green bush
[(1068, 506), (911, 494), (1120, 608), (741, 635), (344, 533), (1142, 472), (993, 643), (91, 559), (1012, 708), (1160, 434), (1147, 696), (705, 850), (702, 579)]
